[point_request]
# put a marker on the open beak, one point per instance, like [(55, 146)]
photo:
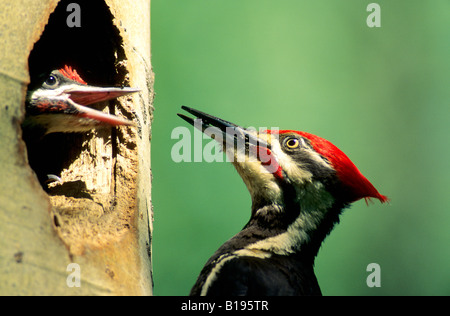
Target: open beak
[(66, 111), (86, 95), (235, 139)]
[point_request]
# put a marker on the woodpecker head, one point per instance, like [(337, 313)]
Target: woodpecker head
[(270, 160), (57, 102)]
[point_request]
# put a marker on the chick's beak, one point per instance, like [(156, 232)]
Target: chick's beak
[(65, 110), (86, 95)]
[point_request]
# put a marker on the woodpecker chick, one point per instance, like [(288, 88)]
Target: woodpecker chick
[(299, 184), (57, 102)]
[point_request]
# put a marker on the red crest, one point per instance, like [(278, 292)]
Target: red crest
[(72, 74), (357, 185)]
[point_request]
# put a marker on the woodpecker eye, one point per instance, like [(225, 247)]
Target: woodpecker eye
[(292, 143), (51, 81)]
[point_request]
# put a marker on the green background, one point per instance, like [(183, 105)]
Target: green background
[(379, 94)]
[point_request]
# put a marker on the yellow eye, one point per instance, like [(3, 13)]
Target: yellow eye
[(292, 143)]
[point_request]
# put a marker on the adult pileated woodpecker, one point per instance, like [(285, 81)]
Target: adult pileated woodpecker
[(299, 184), (56, 102)]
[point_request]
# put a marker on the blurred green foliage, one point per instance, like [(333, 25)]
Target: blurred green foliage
[(380, 94)]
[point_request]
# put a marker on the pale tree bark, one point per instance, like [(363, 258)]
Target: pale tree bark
[(96, 223)]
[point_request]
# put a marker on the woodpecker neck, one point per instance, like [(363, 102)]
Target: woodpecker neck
[(302, 237), (295, 227), (289, 230)]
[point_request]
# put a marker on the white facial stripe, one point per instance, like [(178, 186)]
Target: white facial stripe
[(58, 93), (289, 166), (294, 170)]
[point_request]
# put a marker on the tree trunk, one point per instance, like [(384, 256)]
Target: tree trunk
[(89, 234)]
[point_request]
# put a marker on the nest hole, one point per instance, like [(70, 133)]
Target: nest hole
[(94, 48)]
